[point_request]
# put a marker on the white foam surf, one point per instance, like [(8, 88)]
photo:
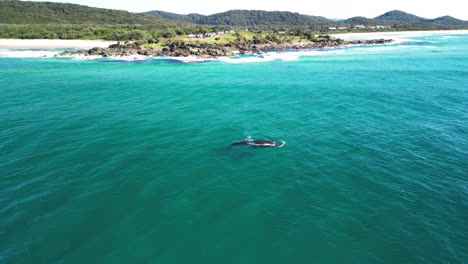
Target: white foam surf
[(84, 58), (9, 53), (129, 58), (278, 55), (189, 59)]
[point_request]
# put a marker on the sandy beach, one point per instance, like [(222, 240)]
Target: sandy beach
[(87, 44), (52, 43), (393, 35)]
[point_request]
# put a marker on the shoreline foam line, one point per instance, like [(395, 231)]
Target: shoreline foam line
[(393, 34), (53, 43)]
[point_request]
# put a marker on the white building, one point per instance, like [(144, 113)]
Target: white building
[(360, 26), (342, 28), (209, 35), (332, 28), (380, 27)]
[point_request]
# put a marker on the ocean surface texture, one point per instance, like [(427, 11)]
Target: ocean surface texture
[(127, 161)]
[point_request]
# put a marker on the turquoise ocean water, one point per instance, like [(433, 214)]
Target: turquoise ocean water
[(117, 161)]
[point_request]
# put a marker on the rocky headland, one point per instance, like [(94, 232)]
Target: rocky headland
[(205, 50)]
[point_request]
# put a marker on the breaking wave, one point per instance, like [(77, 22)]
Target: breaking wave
[(12, 53)]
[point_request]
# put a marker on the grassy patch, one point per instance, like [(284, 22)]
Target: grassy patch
[(155, 46), (221, 39)]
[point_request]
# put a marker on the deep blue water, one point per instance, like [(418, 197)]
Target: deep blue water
[(115, 161)]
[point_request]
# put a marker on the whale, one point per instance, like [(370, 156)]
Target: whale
[(258, 143)]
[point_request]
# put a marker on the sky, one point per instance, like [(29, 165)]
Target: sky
[(327, 8)]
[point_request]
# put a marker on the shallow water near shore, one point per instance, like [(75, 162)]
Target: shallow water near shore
[(122, 161)]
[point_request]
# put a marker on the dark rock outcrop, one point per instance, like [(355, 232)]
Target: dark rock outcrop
[(205, 50)]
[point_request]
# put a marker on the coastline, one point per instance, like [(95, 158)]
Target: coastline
[(194, 51), (61, 43), (393, 34), (53, 43), (211, 51)]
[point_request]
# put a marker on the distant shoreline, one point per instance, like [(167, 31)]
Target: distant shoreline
[(87, 44), (53, 43), (390, 34)]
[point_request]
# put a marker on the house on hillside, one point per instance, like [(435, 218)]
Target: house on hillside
[(360, 26), (191, 36), (331, 28), (342, 28), (380, 27)]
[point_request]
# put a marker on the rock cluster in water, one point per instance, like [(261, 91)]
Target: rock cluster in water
[(205, 50)]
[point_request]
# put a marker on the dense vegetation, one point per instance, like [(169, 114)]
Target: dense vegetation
[(449, 21), (401, 19), (142, 33), (359, 20), (248, 18), (287, 20), (19, 12), (36, 20), (400, 16), (187, 18), (30, 20)]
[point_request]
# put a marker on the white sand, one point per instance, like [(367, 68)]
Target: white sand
[(391, 35), (52, 43)]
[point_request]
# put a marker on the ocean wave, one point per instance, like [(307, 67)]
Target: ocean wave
[(400, 41), (291, 55), (82, 57), (277, 55), (189, 59), (130, 58), (375, 49), (9, 53), (449, 37)]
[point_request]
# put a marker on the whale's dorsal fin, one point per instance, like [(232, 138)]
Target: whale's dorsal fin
[(247, 138)]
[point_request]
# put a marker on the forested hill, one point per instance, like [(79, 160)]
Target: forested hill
[(359, 20), (168, 15), (248, 18), (38, 20), (400, 17), (45, 20), (448, 20), (256, 18), (24, 12), (20, 12), (405, 21)]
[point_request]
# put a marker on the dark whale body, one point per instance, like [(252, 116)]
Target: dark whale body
[(258, 143)]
